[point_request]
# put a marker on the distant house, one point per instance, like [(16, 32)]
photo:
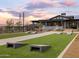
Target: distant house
[(60, 22)]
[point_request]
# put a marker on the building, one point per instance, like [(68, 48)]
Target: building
[(60, 22)]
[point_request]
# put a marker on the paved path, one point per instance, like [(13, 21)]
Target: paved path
[(73, 50), (22, 38)]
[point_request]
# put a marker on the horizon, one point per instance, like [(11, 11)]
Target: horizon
[(36, 9)]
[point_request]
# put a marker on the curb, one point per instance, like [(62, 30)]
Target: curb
[(64, 51)]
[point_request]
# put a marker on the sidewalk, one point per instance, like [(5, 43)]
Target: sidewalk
[(22, 38), (73, 50)]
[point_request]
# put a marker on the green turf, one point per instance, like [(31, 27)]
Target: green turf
[(10, 35), (57, 43)]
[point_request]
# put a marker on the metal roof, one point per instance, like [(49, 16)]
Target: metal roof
[(76, 17)]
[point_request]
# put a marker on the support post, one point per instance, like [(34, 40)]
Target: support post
[(23, 20), (64, 25), (77, 24), (45, 23)]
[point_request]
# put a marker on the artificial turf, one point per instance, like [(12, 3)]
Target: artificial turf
[(57, 42), (11, 35)]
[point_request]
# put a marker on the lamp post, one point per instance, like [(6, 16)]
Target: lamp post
[(23, 20), (19, 16), (19, 22)]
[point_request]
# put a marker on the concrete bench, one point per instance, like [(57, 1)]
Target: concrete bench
[(40, 48), (15, 45)]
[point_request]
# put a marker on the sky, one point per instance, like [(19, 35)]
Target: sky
[(36, 9)]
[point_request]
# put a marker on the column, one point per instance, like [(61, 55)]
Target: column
[(77, 22), (45, 23), (64, 25)]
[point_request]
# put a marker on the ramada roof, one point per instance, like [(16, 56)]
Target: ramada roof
[(55, 18)]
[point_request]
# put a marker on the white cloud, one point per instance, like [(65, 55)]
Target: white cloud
[(4, 16), (37, 4), (42, 14)]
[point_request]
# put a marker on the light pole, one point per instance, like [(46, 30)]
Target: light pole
[(19, 22), (23, 20)]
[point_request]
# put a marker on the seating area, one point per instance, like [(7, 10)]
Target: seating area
[(47, 46), (33, 47)]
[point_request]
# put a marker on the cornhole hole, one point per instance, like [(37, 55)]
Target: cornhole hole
[(40, 48), (15, 45)]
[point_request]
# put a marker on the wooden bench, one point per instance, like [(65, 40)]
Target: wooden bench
[(40, 48)]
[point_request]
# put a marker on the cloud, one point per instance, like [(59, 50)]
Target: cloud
[(9, 11), (42, 14), (30, 18), (39, 4), (37, 9), (74, 12), (14, 12), (38, 15), (69, 3), (4, 16), (42, 4)]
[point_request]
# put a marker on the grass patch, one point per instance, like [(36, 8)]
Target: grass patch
[(58, 43), (10, 35)]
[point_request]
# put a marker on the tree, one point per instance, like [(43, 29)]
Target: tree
[(18, 25), (39, 26), (10, 25)]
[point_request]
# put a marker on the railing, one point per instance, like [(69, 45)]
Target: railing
[(53, 27)]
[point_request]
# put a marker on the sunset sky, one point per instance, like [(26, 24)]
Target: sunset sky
[(36, 9)]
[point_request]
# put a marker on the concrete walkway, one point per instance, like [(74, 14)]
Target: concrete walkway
[(73, 50), (22, 38)]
